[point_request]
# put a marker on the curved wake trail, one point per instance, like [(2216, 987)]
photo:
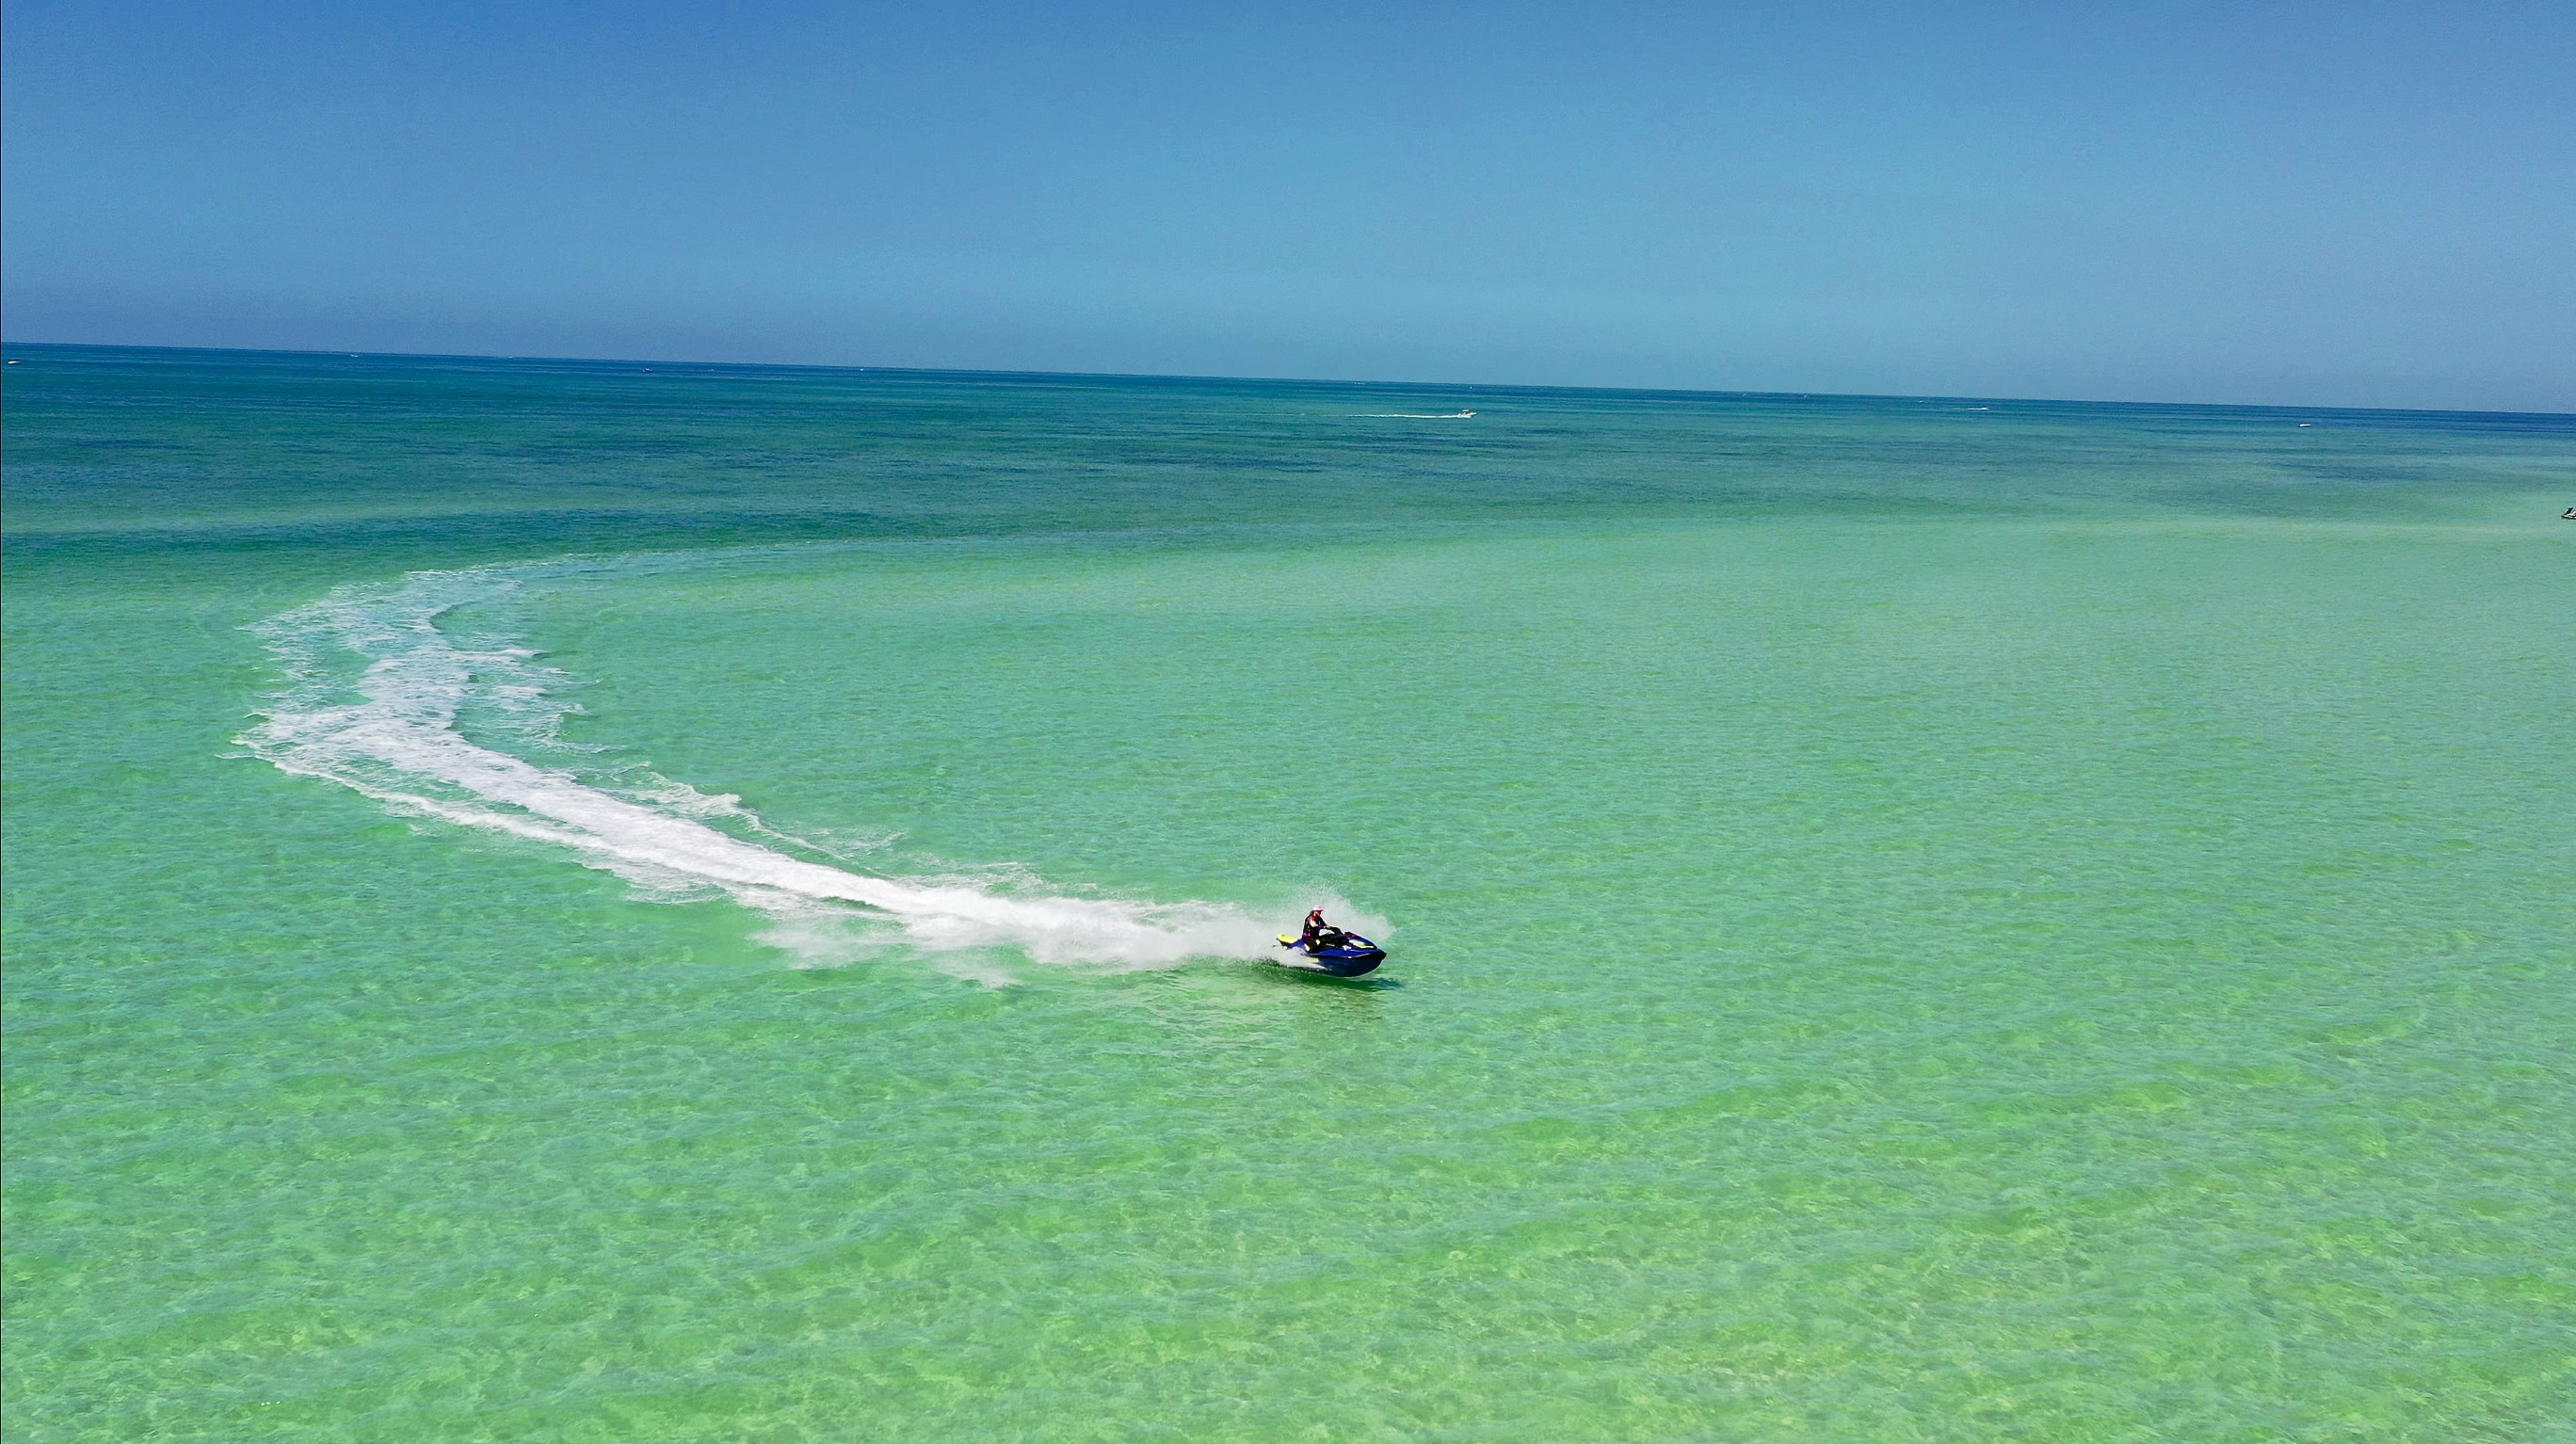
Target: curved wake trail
[(374, 694)]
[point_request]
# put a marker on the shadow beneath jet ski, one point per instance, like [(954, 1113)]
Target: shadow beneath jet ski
[(1288, 977)]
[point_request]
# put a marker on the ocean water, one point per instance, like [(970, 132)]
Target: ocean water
[(575, 902)]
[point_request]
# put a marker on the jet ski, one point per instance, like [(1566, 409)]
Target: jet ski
[(1343, 955)]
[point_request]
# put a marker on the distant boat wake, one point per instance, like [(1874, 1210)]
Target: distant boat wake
[(1417, 415), (374, 698)]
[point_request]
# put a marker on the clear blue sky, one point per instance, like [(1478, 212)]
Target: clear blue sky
[(2304, 203)]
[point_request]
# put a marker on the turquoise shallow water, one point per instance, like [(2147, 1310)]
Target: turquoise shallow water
[(552, 901)]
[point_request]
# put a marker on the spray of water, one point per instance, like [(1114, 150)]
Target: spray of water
[(374, 693)]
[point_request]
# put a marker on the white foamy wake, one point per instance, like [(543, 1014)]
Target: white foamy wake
[(374, 694)]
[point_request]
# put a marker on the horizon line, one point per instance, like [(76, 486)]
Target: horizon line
[(1504, 386)]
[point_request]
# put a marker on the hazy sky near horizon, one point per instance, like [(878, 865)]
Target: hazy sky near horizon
[(2295, 203)]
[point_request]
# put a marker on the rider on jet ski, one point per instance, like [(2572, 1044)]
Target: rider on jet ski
[(1318, 933)]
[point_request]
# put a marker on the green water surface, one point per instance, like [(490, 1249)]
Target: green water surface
[(1909, 921)]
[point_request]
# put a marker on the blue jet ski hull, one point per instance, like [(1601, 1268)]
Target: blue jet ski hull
[(1356, 955)]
